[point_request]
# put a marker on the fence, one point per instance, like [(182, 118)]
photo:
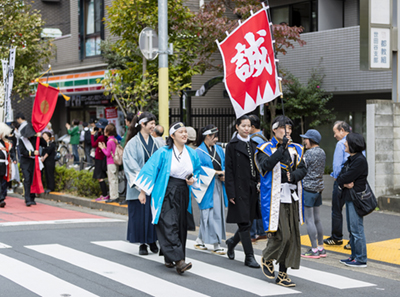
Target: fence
[(223, 118)]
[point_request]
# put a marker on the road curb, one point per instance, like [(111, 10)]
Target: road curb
[(84, 202)]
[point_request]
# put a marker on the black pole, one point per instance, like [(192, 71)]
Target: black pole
[(277, 69)]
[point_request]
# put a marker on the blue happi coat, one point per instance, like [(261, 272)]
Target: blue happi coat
[(271, 184), (206, 161), (154, 176)]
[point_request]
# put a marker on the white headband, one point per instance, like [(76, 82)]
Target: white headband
[(144, 120), (210, 131), (276, 125), (175, 127)]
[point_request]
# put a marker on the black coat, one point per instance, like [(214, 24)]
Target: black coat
[(240, 184), (354, 170)]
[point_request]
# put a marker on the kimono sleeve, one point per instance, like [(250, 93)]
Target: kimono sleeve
[(147, 176), (131, 166)]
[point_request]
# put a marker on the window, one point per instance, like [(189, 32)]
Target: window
[(299, 14), (91, 13)]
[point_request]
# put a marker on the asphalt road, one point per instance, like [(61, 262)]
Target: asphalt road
[(93, 259)]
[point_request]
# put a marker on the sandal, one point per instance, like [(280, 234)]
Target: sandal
[(200, 246), (220, 251)]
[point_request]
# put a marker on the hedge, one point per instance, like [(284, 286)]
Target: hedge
[(80, 183)]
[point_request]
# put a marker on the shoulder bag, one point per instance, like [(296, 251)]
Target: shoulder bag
[(364, 202)]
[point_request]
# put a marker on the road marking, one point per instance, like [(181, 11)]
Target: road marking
[(4, 246), (125, 275), (59, 222), (211, 272), (38, 281), (313, 275)]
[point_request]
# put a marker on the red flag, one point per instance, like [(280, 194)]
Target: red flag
[(43, 109), (250, 72)]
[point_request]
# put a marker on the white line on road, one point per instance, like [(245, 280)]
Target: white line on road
[(38, 281), (313, 275), (55, 222), (211, 272), (4, 246), (125, 275)]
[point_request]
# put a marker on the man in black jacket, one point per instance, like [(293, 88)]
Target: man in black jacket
[(281, 166), (27, 144)]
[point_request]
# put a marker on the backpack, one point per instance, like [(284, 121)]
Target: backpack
[(88, 138), (119, 152)]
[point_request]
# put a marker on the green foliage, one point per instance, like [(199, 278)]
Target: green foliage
[(126, 19), (80, 183), (20, 27), (307, 102)]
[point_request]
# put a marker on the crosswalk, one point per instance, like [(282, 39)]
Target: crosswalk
[(146, 277)]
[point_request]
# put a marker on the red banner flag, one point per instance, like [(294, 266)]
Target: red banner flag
[(251, 78), (43, 109)]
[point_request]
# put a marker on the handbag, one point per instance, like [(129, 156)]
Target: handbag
[(364, 202)]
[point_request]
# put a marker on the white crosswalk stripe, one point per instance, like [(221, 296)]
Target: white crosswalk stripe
[(4, 246), (211, 272), (313, 275), (18, 272), (40, 282), (128, 276)]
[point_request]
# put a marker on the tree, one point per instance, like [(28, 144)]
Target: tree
[(307, 102), (127, 18), (20, 27)]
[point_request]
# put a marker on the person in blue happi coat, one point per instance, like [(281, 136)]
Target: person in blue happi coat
[(168, 176)]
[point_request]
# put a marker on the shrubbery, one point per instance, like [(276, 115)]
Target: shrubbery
[(80, 183)]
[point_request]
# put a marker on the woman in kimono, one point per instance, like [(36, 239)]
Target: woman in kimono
[(167, 177), (48, 154), (140, 146), (241, 187), (212, 200)]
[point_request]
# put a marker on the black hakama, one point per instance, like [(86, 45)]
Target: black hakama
[(172, 224), (140, 227)]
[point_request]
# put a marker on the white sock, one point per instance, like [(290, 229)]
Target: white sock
[(199, 241), (320, 248), (216, 246)]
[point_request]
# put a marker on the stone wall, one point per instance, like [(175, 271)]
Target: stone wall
[(383, 146)]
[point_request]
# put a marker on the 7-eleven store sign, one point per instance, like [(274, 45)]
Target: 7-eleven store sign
[(74, 83)]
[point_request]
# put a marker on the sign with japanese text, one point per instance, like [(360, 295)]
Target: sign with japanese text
[(375, 34), (250, 72), (380, 48)]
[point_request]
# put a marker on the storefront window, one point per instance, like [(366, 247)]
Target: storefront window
[(302, 14), (91, 27)]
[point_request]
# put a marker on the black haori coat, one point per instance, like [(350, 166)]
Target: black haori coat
[(240, 184)]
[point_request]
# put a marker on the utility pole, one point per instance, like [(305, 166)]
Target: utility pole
[(163, 92)]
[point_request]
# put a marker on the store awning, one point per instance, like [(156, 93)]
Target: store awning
[(77, 83)]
